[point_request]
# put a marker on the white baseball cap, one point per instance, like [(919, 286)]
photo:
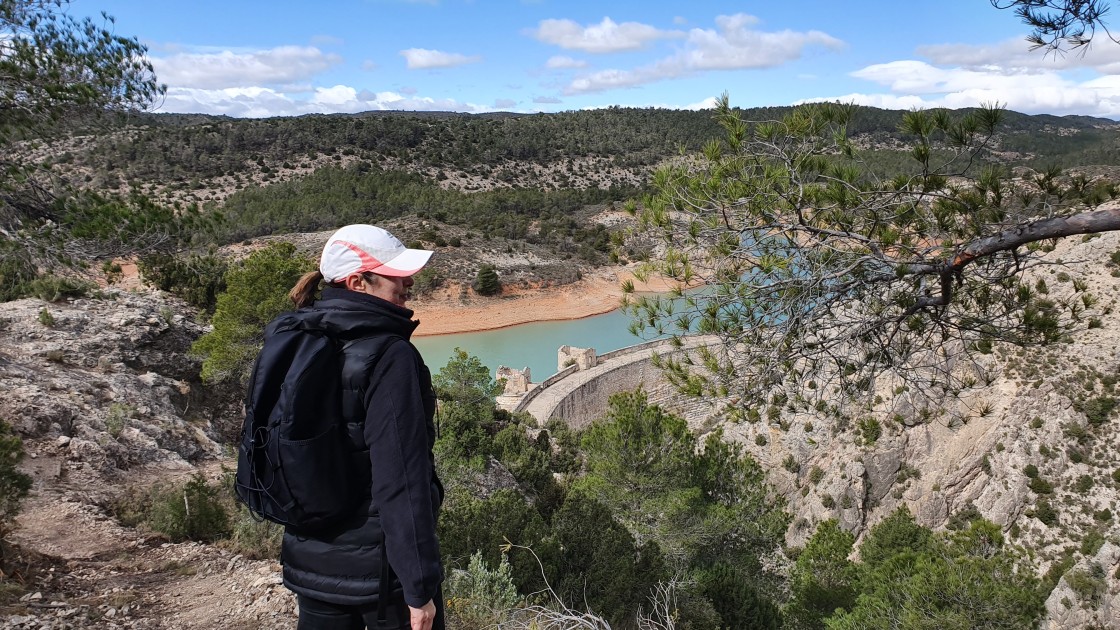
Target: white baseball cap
[(361, 248)]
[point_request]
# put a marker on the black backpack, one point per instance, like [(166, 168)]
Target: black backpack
[(294, 460)]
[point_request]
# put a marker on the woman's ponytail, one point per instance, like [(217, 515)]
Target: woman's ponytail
[(303, 294)]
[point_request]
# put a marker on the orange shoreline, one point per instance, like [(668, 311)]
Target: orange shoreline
[(444, 315)]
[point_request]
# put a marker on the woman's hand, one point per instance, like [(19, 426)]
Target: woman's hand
[(423, 617)]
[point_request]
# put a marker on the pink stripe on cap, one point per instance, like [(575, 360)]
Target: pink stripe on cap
[(359, 248), (368, 262)]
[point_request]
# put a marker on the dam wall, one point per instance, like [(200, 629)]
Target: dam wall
[(578, 397)]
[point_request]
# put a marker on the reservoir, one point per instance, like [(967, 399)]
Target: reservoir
[(530, 345)]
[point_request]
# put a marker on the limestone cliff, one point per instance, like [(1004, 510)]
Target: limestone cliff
[(1033, 450), (107, 379)]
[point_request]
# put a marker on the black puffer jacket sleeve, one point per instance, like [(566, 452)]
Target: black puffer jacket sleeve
[(403, 488)]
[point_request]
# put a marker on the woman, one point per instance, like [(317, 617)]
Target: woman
[(381, 568)]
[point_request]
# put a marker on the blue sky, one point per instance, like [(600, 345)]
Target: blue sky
[(289, 57)]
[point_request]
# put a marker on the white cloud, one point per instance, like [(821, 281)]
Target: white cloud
[(334, 96), (680, 20), (920, 77), (560, 62), (737, 45), (224, 69), (552, 100), (604, 37), (916, 84), (708, 103), (734, 45), (1025, 100), (369, 65), (422, 58), (260, 102), (1016, 54)]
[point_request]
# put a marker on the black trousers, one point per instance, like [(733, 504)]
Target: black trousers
[(315, 614)]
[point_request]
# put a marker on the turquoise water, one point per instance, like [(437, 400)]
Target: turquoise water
[(530, 345)]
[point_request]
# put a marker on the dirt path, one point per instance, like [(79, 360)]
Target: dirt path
[(83, 570)]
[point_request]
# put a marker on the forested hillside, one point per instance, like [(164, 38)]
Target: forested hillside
[(517, 182)]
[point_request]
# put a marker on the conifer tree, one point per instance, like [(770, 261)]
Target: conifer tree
[(487, 282), (823, 275), (1060, 25)]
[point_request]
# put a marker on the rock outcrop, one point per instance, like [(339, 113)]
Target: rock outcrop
[(107, 379)]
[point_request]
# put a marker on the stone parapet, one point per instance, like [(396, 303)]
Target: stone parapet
[(580, 395)]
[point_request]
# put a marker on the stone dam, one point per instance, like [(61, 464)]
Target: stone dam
[(579, 391)]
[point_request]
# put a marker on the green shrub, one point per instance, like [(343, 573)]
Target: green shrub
[(738, 602), (112, 270), (870, 430), (193, 511), (906, 471), (197, 279), (16, 273), (256, 292), (1097, 409), (117, 418), (1040, 486), (790, 464), (1088, 585), (598, 565), (1057, 569), (480, 597), (426, 281), (961, 519), (54, 288), (1092, 543), (1046, 513), (45, 317), (14, 485), (470, 525), (1084, 484)]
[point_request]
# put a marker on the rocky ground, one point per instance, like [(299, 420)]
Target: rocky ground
[(106, 398)]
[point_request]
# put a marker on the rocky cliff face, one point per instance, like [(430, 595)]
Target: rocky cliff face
[(107, 379), (1035, 450)]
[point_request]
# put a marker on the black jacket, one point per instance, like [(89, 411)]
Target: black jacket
[(389, 402)]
